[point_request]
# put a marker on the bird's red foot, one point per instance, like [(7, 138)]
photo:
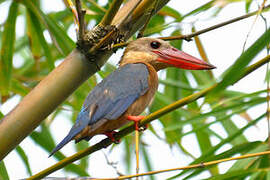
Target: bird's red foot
[(136, 120), (110, 134)]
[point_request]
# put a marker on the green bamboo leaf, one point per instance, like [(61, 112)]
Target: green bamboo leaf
[(236, 70), (59, 36), (84, 162), (7, 49), (264, 161), (248, 3), (37, 39), (3, 171), (18, 88), (220, 119), (258, 175), (217, 111), (155, 21), (231, 98), (2, 1), (177, 84), (203, 139), (156, 29), (202, 78), (268, 175), (240, 174), (231, 128), (168, 11), (204, 7), (160, 101), (172, 93), (21, 43), (24, 158)]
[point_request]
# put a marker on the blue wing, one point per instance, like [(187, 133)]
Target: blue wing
[(110, 98)]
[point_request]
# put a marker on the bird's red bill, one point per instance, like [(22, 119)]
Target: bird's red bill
[(181, 59)]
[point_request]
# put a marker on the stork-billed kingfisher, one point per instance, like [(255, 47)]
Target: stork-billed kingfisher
[(126, 92)]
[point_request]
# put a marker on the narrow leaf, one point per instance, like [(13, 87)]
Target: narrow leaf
[(24, 158), (7, 49), (3, 171), (37, 38)]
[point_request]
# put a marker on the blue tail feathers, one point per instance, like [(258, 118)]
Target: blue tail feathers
[(72, 133)]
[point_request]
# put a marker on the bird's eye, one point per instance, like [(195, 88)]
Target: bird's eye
[(155, 44)]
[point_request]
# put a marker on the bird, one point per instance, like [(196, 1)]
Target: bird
[(124, 94)]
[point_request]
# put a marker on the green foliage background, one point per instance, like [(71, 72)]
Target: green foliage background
[(39, 57)]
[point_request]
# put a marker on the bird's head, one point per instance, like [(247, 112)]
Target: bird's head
[(160, 54)]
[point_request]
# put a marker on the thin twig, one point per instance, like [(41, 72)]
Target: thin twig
[(81, 14), (107, 142), (200, 165), (152, 11), (112, 164), (253, 24), (189, 36), (75, 15)]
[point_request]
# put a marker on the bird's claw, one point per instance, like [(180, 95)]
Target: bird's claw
[(110, 134), (136, 120)]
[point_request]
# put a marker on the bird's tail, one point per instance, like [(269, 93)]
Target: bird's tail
[(68, 138)]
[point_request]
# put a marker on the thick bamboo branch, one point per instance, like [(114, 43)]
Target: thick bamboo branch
[(107, 142), (59, 84)]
